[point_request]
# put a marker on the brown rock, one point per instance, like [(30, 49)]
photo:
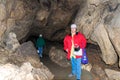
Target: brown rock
[(99, 73), (2, 12), (59, 57), (19, 11), (26, 52)]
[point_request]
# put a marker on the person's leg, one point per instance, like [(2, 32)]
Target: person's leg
[(73, 65), (78, 65), (40, 51)]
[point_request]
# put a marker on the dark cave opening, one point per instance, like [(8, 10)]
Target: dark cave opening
[(48, 43)]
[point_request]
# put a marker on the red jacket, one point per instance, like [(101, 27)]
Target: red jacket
[(79, 39)]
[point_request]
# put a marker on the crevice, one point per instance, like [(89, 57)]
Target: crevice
[(111, 9)]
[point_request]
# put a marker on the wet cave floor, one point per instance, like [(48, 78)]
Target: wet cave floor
[(61, 73)]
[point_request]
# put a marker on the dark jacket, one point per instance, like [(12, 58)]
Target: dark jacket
[(40, 42)]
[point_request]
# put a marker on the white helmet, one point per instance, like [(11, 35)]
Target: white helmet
[(40, 35)]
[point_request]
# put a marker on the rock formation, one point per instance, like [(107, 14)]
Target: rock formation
[(24, 72), (98, 20), (58, 56)]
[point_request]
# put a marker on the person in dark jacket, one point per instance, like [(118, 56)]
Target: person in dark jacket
[(40, 44), (73, 43)]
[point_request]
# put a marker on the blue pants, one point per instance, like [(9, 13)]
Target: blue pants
[(76, 67), (40, 51)]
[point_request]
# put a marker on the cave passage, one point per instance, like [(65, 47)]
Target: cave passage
[(22, 21), (61, 72)]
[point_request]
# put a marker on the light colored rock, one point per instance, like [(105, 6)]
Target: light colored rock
[(2, 29), (3, 56), (25, 72), (96, 2), (88, 18), (26, 52), (12, 43), (93, 21), (87, 67), (2, 12), (98, 71), (112, 74), (58, 56), (113, 30), (108, 53), (42, 15)]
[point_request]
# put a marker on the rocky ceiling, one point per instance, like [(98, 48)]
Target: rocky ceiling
[(98, 20)]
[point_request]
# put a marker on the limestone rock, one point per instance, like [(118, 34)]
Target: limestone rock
[(4, 56), (2, 30), (113, 30), (87, 67), (42, 16), (26, 52), (98, 71), (19, 11), (112, 74), (96, 22), (59, 57), (12, 43), (108, 53), (25, 72), (2, 12)]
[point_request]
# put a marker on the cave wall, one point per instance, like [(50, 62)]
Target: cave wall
[(32, 17), (52, 21), (98, 20), (16, 16)]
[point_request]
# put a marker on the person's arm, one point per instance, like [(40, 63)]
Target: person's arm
[(65, 44), (83, 41)]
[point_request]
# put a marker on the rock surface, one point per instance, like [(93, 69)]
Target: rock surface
[(58, 56), (11, 42), (24, 72), (98, 21), (26, 52), (112, 74)]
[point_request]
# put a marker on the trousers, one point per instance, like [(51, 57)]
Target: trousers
[(76, 67), (40, 51)]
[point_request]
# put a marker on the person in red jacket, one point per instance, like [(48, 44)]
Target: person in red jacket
[(73, 43)]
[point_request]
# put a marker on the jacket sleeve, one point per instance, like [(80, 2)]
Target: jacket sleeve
[(65, 44), (83, 41)]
